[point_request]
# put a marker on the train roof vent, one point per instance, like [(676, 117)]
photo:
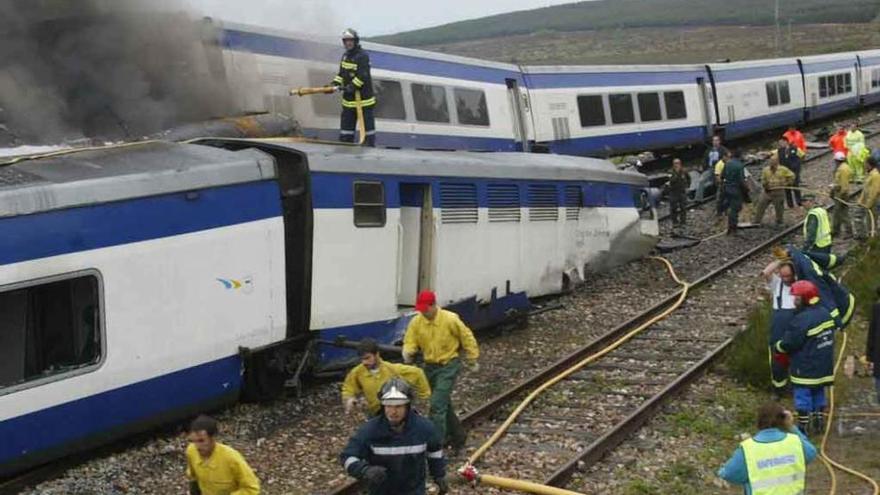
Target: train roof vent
[(504, 203), (458, 203)]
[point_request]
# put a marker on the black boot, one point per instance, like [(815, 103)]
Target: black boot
[(803, 419)]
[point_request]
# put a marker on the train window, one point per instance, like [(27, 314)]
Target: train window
[(621, 105), (875, 78), (772, 94), (784, 93), (430, 103), (823, 87), (471, 107), (504, 203), (649, 107), (389, 100), (49, 330), (323, 105), (543, 203), (847, 83), (458, 203), (591, 110), (573, 202), (369, 204), (841, 84), (675, 105)]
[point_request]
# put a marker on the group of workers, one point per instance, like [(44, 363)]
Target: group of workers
[(854, 164)]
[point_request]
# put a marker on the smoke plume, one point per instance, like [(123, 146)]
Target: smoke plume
[(105, 69)]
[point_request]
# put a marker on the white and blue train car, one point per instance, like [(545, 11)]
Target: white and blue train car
[(144, 284), (610, 110), (830, 82), (757, 95), (869, 77), (424, 100)]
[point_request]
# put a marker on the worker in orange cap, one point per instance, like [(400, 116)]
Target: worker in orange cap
[(440, 335)]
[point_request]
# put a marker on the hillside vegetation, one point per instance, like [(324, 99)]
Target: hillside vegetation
[(617, 14)]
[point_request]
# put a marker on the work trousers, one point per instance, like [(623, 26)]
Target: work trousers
[(793, 196), (778, 371), (777, 199), (862, 222), (442, 380), (720, 204), (348, 125), (678, 210), (733, 202), (840, 219)]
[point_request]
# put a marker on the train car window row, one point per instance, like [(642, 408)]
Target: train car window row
[(49, 331), (835, 84), (503, 203), (778, 93), (543, 201), (651, 108), (572, 200), (875, 78), (458, 203), (369, 204)]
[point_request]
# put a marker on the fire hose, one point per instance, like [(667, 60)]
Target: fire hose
[(469, 471), (359, 109)]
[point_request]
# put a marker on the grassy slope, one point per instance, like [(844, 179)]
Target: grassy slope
[(615, 14)]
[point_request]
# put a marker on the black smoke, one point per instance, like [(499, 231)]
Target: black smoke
[(105, 70)]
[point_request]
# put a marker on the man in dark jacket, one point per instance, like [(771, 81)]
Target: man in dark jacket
[(817, 269), (809, 340), (872, 353), (389, 452), (779, 276), (790, 159), (733, 189), (677, 187), (356, 84)]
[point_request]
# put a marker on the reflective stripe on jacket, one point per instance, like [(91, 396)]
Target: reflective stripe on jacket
[(776, 468), (821, 238)]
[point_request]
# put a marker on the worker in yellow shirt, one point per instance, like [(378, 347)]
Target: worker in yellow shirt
[(440, 335), (840, 194), (868, 199), (214, 468), (368, 377)]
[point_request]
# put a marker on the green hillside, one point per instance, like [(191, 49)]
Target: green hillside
[(614, 14)]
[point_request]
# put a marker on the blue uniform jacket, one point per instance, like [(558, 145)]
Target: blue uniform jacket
[(809, 340), (735, 471), (404, 454), (832, 294)]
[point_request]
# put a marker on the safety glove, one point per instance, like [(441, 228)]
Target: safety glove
[(375, 475)]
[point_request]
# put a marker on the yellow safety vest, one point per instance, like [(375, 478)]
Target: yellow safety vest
[(823, 226), (776, 468)]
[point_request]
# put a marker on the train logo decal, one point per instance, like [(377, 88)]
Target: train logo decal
[(244, 284)]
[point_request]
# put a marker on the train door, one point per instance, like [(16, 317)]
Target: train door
[(518, 111), (415, 242)]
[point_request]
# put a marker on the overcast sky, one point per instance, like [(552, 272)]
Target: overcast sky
[(369, 17)]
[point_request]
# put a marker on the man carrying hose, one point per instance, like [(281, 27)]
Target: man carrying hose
[(868, 199), (356, 84), (441, 335), (774, 179)]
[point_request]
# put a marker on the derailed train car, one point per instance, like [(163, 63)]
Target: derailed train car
[(146, 283)]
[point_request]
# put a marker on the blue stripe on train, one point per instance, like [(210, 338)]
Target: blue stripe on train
[(757, 124), (611, 144), (69, 422), (826, 109), (53, 233), (335, 190)]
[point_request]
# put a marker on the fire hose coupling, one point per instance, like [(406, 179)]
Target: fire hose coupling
[(470, 473)]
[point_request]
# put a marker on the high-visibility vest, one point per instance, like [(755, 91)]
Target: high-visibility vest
[(823, 226), (776, 468)]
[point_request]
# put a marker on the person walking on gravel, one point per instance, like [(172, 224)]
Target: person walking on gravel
[(390, 451), (840, 222), (774, 460), (774, 179), (441, 335), (734, 189), (214, 468), (789, 158), (677, 187), (368, 377)]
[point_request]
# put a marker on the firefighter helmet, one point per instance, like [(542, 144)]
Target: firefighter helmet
[(395, 392), (351, 34), (807, 291)]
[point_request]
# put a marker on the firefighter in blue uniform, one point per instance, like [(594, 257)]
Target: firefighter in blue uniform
[(356, 85), (809, 340), (816, 267), (389, 452)]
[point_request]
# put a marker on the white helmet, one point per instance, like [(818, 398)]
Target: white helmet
[(839, 156), (395, 392), (350, 34)]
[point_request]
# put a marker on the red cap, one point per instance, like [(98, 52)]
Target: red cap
[(425, 300)]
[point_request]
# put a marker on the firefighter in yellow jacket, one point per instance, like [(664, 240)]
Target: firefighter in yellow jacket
[(869, 198), (356, 84), (441, 336), (368, 377)]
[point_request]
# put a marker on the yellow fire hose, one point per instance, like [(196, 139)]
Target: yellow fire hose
[(469, 472), (323, 90)]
